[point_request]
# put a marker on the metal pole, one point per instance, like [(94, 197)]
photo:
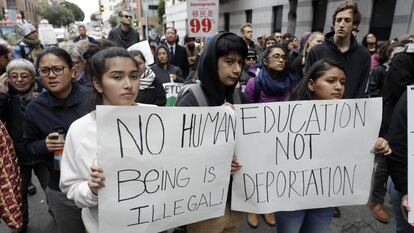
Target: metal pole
[(146, 19)]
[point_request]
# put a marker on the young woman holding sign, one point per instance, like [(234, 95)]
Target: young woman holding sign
[(324, 80), (115, 77), (273, 83)]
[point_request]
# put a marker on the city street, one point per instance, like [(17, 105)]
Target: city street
[(355, 219)]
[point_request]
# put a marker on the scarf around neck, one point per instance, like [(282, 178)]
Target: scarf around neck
[(283, 83), (31, 42)]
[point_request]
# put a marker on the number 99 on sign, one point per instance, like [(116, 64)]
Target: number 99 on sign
[(205, 25)]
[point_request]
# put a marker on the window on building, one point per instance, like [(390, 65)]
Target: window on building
[(381, 19), (153, 7), (227, 22), (249, 16), (319, 15), (277, 19), (11, 4)]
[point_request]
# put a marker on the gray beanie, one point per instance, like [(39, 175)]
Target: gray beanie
[(27, 29)]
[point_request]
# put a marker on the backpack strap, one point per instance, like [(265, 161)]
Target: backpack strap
[(196, 91), (199, 94), (257, 90), (236, 96)]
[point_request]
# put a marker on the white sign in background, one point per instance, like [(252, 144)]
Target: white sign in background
[(164, 167), (145, 49), (203, 17), (410, 150), (301, 155), (171, 91)]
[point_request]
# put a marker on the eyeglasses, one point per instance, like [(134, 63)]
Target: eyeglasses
[(45, 71), (127, 16), (277, 56), (16, 76), (75, 63)]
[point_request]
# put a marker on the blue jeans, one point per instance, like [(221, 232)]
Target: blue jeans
[(304, 221), (400, 223)]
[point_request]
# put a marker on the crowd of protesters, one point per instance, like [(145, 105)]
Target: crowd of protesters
[(49, 92)]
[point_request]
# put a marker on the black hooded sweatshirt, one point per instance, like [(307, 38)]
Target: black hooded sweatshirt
[(356, 62), (207, 71)]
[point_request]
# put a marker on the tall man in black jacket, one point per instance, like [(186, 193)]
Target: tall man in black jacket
[(343, 47), (124, 35), (178, 54)]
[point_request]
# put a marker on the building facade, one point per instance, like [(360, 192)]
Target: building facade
[(22, 9), (385, 18)]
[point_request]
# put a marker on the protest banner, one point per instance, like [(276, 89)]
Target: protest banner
[(171, 90), (145, 49), (410, 139), (164, 167), (203, 17), (304, 154)]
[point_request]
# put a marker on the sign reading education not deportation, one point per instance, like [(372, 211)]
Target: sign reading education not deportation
[(308, 154), (164, 167)]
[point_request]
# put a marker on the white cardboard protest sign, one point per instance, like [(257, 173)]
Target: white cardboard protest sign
[(47, 35), (171, 90), (203, 17), (410, 144), (145, 49), (308, 154), (164, 167)]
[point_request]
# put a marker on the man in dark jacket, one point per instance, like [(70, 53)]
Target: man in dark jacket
[(343, 47), (82, 35), (246, 32), (124, 35), (398, 165), (178, 54)]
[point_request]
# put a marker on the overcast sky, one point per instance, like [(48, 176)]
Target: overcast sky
[(88, 7)]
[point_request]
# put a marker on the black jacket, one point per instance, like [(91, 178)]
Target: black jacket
[(163, 75), (399, 75), (90, 39), (45, 113), (123, 39), (397, 138), (12, 108), (376, 81), (154, 94), (356, 61), (180, 59)]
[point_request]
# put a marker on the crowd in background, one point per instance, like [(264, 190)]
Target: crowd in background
[(44, 90)]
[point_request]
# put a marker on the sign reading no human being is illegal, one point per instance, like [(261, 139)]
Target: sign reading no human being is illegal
[(164, 167), (305, 154)]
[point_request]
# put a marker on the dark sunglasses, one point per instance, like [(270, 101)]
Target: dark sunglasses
[(127, 16)]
